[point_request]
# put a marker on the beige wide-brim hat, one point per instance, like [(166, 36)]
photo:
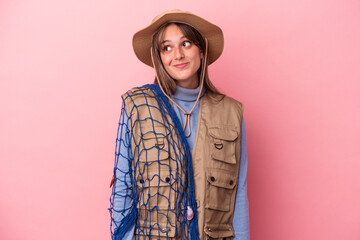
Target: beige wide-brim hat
[(142, 40)]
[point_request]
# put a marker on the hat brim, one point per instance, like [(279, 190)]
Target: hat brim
[(142, 40)]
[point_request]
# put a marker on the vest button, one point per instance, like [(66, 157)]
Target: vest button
[(231, 182), (167, 179), (212, 179), (141, 180)]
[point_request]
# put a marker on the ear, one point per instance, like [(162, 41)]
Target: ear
[(201, 55)]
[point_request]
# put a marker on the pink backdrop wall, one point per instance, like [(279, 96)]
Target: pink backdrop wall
[(294, 64)]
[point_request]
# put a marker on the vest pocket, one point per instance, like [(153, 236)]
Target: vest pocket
[(219, 231), (156, 190), (222, 143), (219, 188)]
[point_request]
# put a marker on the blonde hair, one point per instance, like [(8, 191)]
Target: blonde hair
[(166, 81)]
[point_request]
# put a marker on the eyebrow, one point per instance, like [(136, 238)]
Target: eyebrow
[(170, 41)]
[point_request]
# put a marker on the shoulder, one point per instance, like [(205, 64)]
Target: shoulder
[(138, 99), (234, 102), (137, 92), (223, 100)]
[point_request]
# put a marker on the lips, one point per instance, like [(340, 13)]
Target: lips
[(181, 65)]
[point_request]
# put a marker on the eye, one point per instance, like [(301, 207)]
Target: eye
[(166, 48), (187, 43)]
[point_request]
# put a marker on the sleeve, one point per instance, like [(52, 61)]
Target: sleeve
[(122, 209), (241, 211)]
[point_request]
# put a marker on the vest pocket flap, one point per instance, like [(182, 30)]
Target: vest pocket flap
[(154, 151), (226, 133), (222, 180), (219, 231), (149, 131), (154, 179)]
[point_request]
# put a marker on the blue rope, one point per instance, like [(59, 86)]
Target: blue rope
[(194, 222), (131, 197)]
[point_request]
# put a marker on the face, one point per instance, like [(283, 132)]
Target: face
[(181, 58)]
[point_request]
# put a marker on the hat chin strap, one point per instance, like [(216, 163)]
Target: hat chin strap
[(202, 76)]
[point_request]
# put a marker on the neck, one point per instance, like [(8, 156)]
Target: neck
[(186, 94), (191, 83)]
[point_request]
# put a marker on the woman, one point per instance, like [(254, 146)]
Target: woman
[(180, 165)]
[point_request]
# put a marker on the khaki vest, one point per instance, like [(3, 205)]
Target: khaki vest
[(215, 160)]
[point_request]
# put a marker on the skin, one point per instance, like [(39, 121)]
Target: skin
[(180, 57)]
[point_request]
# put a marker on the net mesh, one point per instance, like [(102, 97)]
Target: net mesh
[(153, 179)]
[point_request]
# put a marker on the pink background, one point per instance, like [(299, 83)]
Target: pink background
[(294, 64)]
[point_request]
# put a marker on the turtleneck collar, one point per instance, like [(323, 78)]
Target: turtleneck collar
[(186, 94)]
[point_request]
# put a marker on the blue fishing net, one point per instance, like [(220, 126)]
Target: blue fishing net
[(153, 178)]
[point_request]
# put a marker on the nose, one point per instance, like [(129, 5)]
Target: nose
[(178, 53)]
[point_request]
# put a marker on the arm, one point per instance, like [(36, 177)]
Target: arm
[(241, 211), (121, 201)]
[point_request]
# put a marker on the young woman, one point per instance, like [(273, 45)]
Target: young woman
[(181, 162)]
